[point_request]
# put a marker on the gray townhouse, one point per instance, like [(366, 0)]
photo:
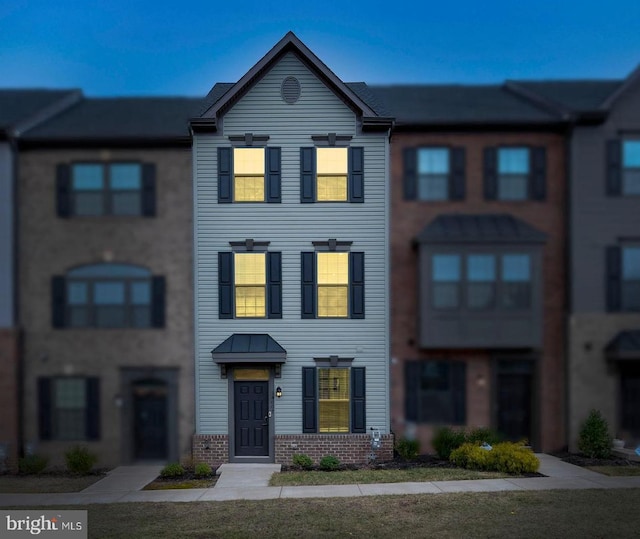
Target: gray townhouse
[(291, 284)]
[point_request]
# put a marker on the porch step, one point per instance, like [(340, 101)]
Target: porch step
[(245, 475)]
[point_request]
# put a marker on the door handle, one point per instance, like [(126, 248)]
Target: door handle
[(266, 421)]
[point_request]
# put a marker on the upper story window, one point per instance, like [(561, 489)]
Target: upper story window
[(332, 174), (97, 189), (515, 173), (332, 171), (108, 296), (434, 173), (623, 278), (250, 284), (332, 285), (249, 174), (481, 281), (623, 167)]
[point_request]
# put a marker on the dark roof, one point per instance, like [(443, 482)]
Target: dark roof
[(120, 118), (486, 228), (573, 95), (19, 105), (249, 348), (218, 90), (458, 104), (625, 345)]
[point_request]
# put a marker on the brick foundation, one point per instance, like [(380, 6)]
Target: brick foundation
[(348, 448), (211, 448)]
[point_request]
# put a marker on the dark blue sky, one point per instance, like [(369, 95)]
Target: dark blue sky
[(141, 47)]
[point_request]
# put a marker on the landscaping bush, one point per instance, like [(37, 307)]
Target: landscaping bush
[(329, 463), (513, 458), (32, 464), (302, 461), (80, 460), (446, 440), (173, 469), (408, 449), (202, 469), (471, 456), (594, 439)]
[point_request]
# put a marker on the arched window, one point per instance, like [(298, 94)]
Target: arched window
[(108, 296)]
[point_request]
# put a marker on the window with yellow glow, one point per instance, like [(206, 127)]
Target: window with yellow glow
[(248, 174), (333, 400), (331, 166), (250, 285), (333, 284)]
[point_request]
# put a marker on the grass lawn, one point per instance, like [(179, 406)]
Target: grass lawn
[(348, 477), (616, 470), (546, 514), (163, 484), (30, 484)]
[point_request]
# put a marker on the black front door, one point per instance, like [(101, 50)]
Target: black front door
[(251, 419), (515, 400), (150, 421)]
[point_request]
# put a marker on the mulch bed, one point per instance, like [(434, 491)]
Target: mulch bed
[(584, 461)]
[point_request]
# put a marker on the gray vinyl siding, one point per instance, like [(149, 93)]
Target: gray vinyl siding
[(6, 236), (291, 227), (598, 220)]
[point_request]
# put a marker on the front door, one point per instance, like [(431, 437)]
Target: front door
[(515, 400), (251, 418), (150, 421)]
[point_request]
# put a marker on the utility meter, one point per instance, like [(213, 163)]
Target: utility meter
[(376, 439)]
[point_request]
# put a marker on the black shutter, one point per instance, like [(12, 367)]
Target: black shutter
[(274, 285), (356, 174), (148, 189), (356, 285), (273, 175), (614, 275), (225, 285), (225, 171), (158, 296), (410, 163), (411, 390), (307, 175), (63, 190), (45, 410), (490, 173), (92, 411), (614, 167), (309, 400), (457, 174), (308, 279), (58, 301), (458, 391), (538, 173), (358, 400)]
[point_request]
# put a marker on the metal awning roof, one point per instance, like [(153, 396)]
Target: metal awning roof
[(624, 346), (249, 348)]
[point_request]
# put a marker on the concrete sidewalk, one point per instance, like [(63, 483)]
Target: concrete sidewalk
[(250, 482)]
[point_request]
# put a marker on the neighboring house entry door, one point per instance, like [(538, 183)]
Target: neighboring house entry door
[(251, 418), (150, 420), (514, 387)]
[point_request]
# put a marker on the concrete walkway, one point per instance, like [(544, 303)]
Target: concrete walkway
[(250, 482)]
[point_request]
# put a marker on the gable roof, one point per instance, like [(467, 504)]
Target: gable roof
[(119, 121), (484, 228), (425, 105), (21, 108), (223, 96)]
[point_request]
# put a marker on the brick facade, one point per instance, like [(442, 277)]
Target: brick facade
[(210, 448), (408, 218), (9, 397)]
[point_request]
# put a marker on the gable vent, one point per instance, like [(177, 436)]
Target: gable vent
[(290, 90)]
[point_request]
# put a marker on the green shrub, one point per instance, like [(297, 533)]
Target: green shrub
[(483, 434), (173, 469), (471, 456), (446, 440), (408, 449), (329, 463), (594, 439), (32, 464), (302, 461), (202, 469), (80, 460), (513, 458)]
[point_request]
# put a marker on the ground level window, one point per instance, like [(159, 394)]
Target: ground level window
[(333, 399)]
